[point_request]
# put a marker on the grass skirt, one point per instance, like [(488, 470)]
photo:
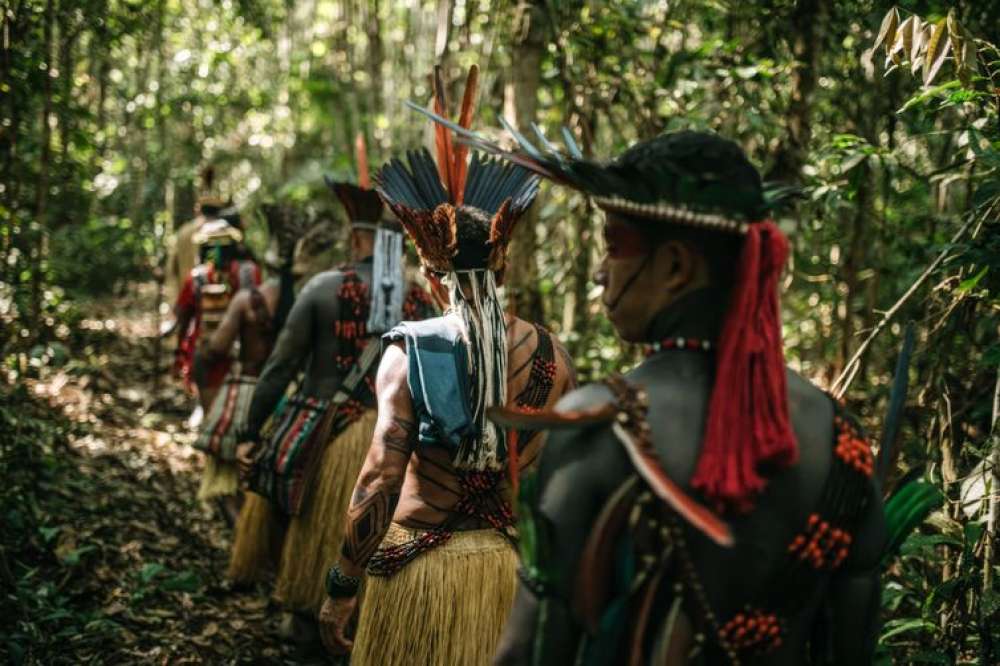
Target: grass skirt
[(448, 606), (219, 479), (312, 542), (257, 543)]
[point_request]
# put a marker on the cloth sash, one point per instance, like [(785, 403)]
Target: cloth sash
[(292, 438), (438, 379)]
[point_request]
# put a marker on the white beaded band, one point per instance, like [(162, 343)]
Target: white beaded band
[(662, 211)]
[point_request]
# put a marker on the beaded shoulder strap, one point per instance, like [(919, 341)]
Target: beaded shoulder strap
[(542, 374)]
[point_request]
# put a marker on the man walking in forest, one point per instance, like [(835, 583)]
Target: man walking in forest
[(430, 519), (253, 318), (309, 456), (182, 255), (226, 267), (623, 563)]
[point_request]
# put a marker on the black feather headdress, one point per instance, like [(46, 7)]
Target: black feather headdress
[(424, 193)]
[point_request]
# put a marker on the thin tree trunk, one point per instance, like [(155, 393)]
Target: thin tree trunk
[(993, 514), (521, 105), (44, 164), (807, 25)]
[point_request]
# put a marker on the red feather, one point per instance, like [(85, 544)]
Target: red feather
[(359, 146), (461, 151), (442, 136)]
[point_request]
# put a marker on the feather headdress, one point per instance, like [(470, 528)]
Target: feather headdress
[(364, 210), (362, 203), (432, 199), (425, 194), (700, 180)]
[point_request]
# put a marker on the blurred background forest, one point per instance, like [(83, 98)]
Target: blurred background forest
[(109, 109)]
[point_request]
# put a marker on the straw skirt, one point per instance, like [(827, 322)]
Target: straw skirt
[(312, 542), (257, 543), (218, 479), (448, 606)]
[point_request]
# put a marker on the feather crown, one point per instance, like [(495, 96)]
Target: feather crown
[(362, 203), (428, 197)]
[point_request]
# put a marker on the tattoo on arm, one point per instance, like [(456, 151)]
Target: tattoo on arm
[(520, 342), (400, 436), (374, 502), (368, 521)]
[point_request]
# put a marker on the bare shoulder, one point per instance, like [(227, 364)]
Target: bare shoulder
[(392, 369), (271, 288), (240, 300), (521, 333)]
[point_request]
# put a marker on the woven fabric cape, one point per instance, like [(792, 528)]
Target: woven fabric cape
[(226, 418), (293, 437)]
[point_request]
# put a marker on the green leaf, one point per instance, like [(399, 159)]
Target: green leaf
[(897, 627), (930, 93), (985, 192), (971, 283), (915, 544), (151, 571), (48, 533), (185, 581)]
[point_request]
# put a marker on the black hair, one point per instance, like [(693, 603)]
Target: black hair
[(473, 235), (210, 209)]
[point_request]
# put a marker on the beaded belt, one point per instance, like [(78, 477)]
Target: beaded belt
[(480, 499)]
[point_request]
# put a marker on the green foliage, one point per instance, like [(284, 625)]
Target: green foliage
[(110, 109), (99, 256)]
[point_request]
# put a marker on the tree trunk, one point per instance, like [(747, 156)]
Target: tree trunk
[(807, 25), (521, 105), (44, 164)]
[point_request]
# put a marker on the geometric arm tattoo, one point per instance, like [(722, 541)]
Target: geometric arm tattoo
[(377, 491)]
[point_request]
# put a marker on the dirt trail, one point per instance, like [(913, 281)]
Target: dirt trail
[(120, 533)]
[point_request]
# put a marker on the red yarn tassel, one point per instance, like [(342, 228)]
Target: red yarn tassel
[(748, 423)]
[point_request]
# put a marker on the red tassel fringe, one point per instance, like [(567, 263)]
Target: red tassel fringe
[(748, 423)]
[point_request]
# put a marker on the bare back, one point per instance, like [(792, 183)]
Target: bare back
[(431, 488)]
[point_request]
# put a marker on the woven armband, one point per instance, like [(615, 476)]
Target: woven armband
[(340, 585)]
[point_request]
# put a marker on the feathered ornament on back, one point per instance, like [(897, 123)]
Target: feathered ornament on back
[(363, 205)]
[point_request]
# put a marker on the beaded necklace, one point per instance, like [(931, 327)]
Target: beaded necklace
[(692, 344)]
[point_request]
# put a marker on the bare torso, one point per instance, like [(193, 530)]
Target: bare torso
[(257, 332)]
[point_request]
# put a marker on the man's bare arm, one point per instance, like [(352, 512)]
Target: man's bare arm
[(381, 479), (222, 340)]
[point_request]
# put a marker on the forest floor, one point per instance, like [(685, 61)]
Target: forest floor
[(106, 555)]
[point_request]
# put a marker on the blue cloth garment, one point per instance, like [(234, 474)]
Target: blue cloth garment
[(438, 378)]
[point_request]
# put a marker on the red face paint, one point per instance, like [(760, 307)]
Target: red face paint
[(624, 240)]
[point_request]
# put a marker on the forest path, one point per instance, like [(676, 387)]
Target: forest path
[(128, 565)]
